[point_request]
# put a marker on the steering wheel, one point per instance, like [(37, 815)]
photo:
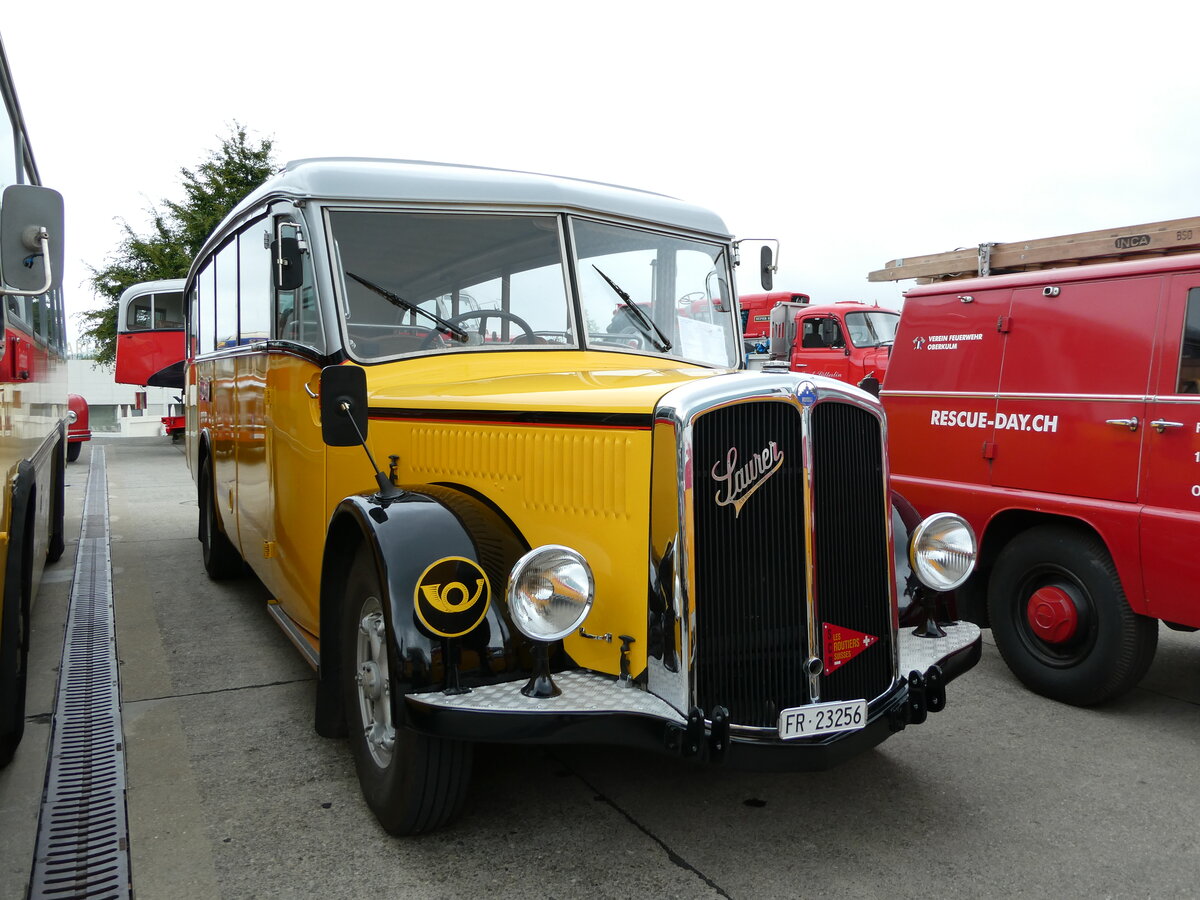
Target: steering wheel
[(435, 337)]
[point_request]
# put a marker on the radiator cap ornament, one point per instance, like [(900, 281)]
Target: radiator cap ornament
[(806, 393)]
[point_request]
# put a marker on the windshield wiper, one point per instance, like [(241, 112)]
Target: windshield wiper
[(648, 326), (457, 333)]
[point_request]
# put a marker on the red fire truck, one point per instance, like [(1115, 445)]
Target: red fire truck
[(756, 312), (848, 340), (1058, 410)]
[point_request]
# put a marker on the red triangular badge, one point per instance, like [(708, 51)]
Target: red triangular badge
[(843, 644)]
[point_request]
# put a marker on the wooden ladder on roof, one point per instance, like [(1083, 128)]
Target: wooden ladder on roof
[(1085, 248)]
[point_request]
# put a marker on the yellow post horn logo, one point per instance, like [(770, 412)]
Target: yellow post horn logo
[(452, 596)]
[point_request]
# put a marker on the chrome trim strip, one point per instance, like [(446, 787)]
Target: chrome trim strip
[(1021, 395)]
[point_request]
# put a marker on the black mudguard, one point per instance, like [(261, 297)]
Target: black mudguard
[(407, 538)]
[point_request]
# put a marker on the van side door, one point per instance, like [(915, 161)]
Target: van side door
[(940, 389), (1072, 403), (1170, 524)]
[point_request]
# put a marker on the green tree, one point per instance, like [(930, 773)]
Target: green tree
[(177, 231)]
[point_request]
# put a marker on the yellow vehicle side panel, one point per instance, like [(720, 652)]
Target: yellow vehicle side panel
[(585, 488)]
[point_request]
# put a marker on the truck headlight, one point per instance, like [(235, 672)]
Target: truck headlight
[(72, 416), (550, 592), (942, 551)]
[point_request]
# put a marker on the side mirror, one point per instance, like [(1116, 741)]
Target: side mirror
[(31, 239), (766, 265), (286, 257), (343, 406), (870, 384)]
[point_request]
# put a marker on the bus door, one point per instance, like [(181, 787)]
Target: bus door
[(1170, 525), (295, 449)]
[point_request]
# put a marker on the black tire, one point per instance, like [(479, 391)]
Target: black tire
[(73, 450), (420, 783), (1104, 647), (221, 558)]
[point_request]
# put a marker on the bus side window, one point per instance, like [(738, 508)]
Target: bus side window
[(255, 284), (139, 313), (227, 296), (206, 308), (297, 314)]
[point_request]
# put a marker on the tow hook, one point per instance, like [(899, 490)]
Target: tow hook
[(718, 738), (926, 694)]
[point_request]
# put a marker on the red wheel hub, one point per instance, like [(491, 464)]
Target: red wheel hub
[(1052, 615)]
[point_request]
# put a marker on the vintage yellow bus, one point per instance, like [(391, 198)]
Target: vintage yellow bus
[(487, 438), (33, 402)]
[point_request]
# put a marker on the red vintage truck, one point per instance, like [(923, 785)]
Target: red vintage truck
[(756, 312), (1058, 410), (848, 340)]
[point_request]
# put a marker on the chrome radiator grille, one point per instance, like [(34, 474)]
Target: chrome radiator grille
[(750, 565), (852, 561)]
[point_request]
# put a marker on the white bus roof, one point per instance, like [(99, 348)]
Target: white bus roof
[(150, 287), (141, 289), (353, 179)]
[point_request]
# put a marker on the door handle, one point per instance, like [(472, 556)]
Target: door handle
[(1162, 425), (1131, 424)]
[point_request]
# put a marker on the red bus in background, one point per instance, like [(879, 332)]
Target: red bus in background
[(150, 334), (150, 347)]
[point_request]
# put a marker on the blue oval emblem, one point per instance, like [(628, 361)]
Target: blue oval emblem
[(806, 393)]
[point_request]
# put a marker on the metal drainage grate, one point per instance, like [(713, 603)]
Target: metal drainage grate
[(83, 831)]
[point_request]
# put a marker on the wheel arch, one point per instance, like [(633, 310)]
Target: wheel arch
[(202, 453), (404, 538)]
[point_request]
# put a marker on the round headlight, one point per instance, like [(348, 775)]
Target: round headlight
[(550, 592), (72, 416), (942, 551)]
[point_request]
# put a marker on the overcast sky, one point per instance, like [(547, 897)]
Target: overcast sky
[(854, 133)]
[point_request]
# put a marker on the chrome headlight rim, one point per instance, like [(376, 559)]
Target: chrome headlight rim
[(928, 538), (537, 561)]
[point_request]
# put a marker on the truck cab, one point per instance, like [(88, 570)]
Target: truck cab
[(848, 340)]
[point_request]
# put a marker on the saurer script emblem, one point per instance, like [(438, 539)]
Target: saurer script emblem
[(737, 484)]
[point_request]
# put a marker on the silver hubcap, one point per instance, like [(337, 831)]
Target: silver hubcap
[(374, 684)]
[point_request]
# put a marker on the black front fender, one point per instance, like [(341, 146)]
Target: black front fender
[(417, 544)]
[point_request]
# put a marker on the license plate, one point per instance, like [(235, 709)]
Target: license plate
[(822, 718)]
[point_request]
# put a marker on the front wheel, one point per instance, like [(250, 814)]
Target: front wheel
[(412, 782), (73, 448), (1060, 618)]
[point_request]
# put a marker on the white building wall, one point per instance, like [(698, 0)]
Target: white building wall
[(113, 407)]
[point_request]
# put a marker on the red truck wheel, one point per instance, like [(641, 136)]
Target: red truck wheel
[(1061, 620)]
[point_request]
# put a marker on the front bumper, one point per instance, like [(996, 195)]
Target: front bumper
[(595, 708)]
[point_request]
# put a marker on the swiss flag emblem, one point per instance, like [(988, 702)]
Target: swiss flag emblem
[(843, 644)]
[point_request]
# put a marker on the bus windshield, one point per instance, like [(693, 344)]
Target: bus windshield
[(424, 282)]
